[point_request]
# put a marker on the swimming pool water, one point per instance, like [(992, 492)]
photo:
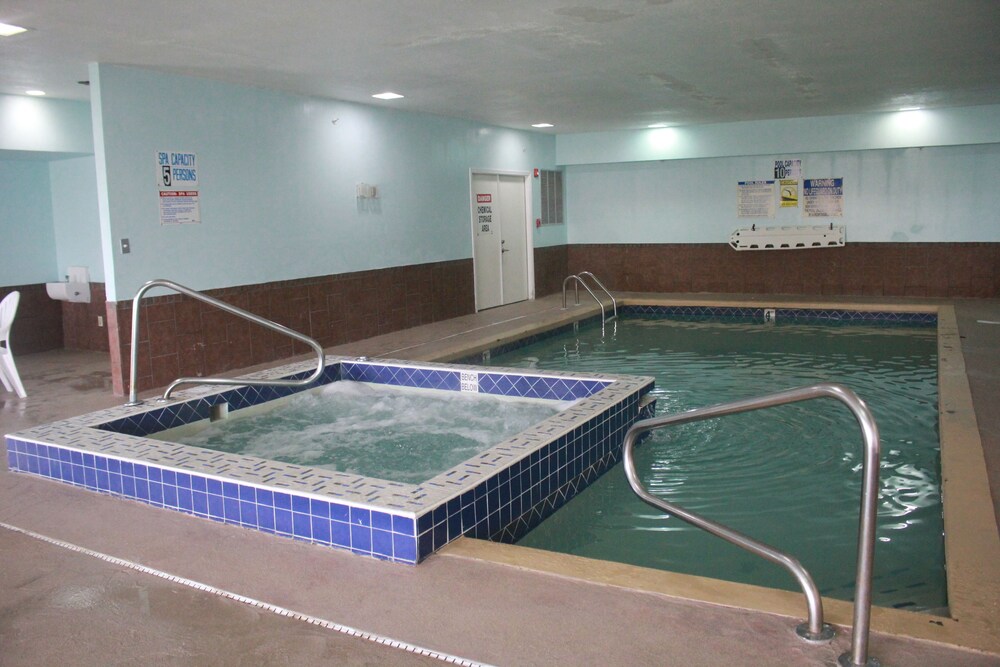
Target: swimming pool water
[(789, 476), (386, 432)]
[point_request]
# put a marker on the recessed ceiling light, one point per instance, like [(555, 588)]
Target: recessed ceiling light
[(656, 125), (542, 125), (7, 30), (910, 108), (388, 96), (35, 93)]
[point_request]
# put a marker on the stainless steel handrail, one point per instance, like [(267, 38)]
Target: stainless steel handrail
[(858, 655), (614, 303), (577, 283), (239, 312)]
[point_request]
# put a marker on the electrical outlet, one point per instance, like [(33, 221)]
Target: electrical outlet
[(126, 247), (100, 320)]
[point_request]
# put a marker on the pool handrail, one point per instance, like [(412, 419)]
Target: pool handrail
[(814, 629), (233, 310), (578, 279), (614, 303)]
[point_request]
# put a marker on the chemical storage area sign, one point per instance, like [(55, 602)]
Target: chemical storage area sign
[(177, 182), (484, 214)]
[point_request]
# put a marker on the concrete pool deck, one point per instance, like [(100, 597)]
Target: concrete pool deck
[(473, 601)]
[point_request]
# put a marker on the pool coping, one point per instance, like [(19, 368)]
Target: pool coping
[(972, 541)]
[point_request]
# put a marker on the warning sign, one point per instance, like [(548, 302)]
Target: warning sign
[(177, 182), (484, 214)]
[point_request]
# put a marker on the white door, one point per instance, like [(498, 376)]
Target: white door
[(500, 239)]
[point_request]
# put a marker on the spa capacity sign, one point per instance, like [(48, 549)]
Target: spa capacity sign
[(177, 183)]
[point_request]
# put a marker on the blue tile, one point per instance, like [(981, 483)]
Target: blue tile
[(361, 538), (248, 513), (139, 471), (319, 508), (382, 543), (282, 501), (128, 486), (265, 517), (232, 509), (183, 480), (340, 534), (184, 501), (402, 525), (247, 494), (340, 512), (265, 497), (425, 544), (300, 504), (425, 522), (302, 525), (156, 493), (321, 529), (115, 483), (214, 486), (216, 510), (283, 521), (381, 520), (230, 491), (154, 474), (88, 459), (199, 483), (404, 548), (199, 502), (142, 489), (361, 517)]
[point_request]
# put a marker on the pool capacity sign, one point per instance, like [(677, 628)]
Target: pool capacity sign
[(177, 182)]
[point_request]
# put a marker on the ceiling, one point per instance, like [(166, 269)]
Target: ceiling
[(583, 66)]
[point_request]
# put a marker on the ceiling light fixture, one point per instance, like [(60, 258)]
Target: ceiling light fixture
[(387, 96), (35, 93), (8, 30), (542, 125), (658, 125), (910, 108)]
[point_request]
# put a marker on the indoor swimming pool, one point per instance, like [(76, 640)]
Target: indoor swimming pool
[(789, 476)]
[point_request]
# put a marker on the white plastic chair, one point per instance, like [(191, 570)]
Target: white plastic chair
[(8, 371)]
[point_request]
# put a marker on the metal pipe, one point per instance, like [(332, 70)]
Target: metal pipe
[(869, 495), (590, 291), (222, 305)]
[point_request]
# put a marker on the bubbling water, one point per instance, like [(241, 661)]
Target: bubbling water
[(394, 433)]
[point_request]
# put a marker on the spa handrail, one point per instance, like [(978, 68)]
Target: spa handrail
[(233, 310), (815, 629)]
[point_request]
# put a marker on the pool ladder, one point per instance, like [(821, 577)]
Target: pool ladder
[(133, 397), (814, 629), (580, 279)]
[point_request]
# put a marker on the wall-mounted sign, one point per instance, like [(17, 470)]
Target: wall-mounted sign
[(789, 190), (823, 197), (755, 199), (788, 169), (484, 214), (177, 183)]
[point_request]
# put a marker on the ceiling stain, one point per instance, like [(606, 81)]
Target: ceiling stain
[(768, 52), (594, 14), (684, 88)]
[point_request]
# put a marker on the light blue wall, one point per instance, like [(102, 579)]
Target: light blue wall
[(28, 242), (40, 125), (277, 179), (913, 194), (74, 216), (938, 127)]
